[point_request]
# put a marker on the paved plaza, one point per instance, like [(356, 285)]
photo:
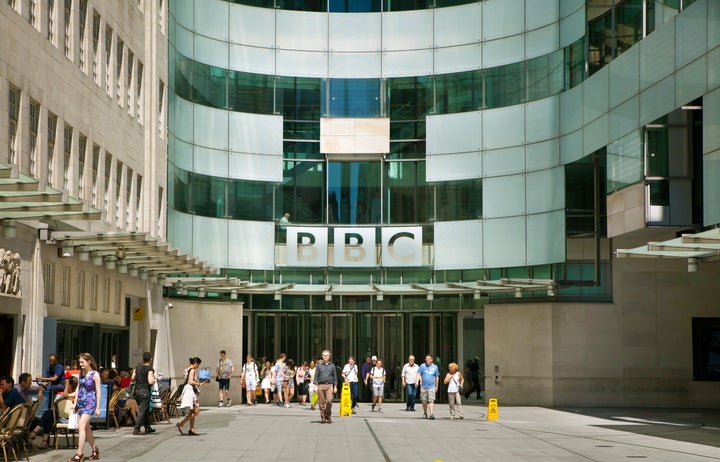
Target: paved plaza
[(270, 433)]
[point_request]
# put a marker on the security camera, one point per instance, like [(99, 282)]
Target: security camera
[(169, 306)]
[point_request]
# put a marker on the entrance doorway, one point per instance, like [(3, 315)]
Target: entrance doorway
[(7, 343), (473, 355)]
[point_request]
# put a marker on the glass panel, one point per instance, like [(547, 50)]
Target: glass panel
[(510, 50), (503, 19), (208, 195), (459, 92), (401, 63), (354, 192), (500, 127), (547, 242), (250, 200), (542, 119), (210, 161), (545, 190), (656, 62), (629, 28), (354, 6), (298, 98), (303, 192), (539, 13), (542, 155), (458, 200), (209, 85), (504, 242), (542, 41), (457, 26), (657, 160), (504, 196), (409, 98), (545, 75), (408, 31), (344, 29), (211, 19), (250, 92), (179, 189), (402, 192), (210, 239), (500, 162), (505, 85), (211, 127), (352, 97)]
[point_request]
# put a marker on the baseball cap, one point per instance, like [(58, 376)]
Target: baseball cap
[(374, 358)]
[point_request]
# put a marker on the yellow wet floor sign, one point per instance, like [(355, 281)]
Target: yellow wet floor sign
[(492, 413), (345, 401)]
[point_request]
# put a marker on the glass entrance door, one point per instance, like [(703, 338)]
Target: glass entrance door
[(473, 357), (434, 334)]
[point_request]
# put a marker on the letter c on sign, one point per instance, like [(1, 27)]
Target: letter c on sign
[(391, 244)]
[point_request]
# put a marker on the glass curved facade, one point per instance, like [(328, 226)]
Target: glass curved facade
[(351, 6)]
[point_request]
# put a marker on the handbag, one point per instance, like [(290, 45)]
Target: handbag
[(130, 392), (72, 421), (155, 400)]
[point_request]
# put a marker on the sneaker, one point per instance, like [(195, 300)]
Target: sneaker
[(229, 403), (432, 417), (407, 408), (220, 404), (424, 416), (372, 408), (287, 405), (380, 410)]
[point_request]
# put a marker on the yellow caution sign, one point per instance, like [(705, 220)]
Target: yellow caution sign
[(492, 413), (138, 313), (345, 401)]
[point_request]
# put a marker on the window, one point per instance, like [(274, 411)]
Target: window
[(34, 123), (129, 82), (95, 169), (106, 295), (128, 198), (161, 110), (82, 148), (138, 204), (67, 155), (93, 292), (52, 129), (14, 116), (96, 49), (118, 70), (33, 13), (83, 44), (118, 191), (706, 348), (51, 23), (49, 281), (161, 19), (108, 60), (80, 291), (65, 285), (117, 306), (68, 29), (139, 89), (108, 171)]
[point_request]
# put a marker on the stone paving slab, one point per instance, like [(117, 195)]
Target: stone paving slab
[(271, 433)]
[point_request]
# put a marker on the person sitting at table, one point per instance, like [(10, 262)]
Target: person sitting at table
[(47, 420)]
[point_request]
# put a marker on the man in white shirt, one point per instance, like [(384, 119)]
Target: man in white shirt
[(350, 374), (409, 380)]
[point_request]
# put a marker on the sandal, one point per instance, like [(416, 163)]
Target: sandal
[(77, 458), (95, 455), (179, 427), (43, 445)]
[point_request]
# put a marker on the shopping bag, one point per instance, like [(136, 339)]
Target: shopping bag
[(314, 399), (73, 421)]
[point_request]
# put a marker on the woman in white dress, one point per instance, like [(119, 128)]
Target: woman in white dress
[(189, 397), (266, 383), (454, 380)]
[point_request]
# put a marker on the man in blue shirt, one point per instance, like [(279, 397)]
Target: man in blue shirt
[(10, 396), (55, 378), (429, 378)]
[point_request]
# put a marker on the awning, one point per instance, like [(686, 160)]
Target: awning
[(695, 248), (200, 287), (137, 254)]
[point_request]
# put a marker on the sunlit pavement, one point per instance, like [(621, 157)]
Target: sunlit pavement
[(267, 433)]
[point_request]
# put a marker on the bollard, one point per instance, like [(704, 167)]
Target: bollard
[(345, 401), (492, 413)]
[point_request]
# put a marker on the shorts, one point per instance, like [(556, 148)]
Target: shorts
[(250, 385), (224, 384), (378, 390), (427, 395), (278, 387), (290, 385)]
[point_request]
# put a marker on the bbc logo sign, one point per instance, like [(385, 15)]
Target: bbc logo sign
[(354, 247)]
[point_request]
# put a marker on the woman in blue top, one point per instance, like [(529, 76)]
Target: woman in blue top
[(87, 403)]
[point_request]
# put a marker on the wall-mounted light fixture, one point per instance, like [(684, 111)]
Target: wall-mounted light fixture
[(379, 296), (693, 264), (110, 263), (133, 271), (476, 295), (518, 292), (120, 253), (66, 250), (201, 293), (233, 294), (122, 267), (83, 253), (143, 275), (97, 258), (430, 295)]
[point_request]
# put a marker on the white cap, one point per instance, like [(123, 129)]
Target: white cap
[(374, 358)]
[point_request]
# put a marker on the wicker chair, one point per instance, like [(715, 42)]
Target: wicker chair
[(173, 402), (62, 409), (11, 426), (114, 405), (161, 413), (29, 424)]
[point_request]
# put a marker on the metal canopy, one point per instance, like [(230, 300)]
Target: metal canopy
[(185, 285), (22, 197), (137, 251), (703, 246)]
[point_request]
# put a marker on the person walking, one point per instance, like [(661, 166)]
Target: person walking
[(409, 376), (350, 373), (454, 380), (249, 379), (326, 381), (429, 376), (289, 381), (144, 376), (367, 365), (189, 397), (301, 380), (377, 377), (266, 383), (87, 404), (278, 379), (312, 388), (224, 370)]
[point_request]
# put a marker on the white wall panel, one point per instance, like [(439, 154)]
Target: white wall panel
[(458, 244), (542, 155), (504, 196), (692, 34), (184, 11), (407, 30), (355, 65), (596, 134), (540, 13), (180, 231), (449, 133), (299, 30), (211, 18), (302, 63), (572, 27), (252, 26), (503, 127), (211, 126), (183, 127), (571, 147), (407, 63), (345, 29), (657, 100), (546, 238), (624, 76), (545, 190), (625, 118), (542, 119), (211, 162), (252, 59), (460, 25), (571, 109), (503, 18), (448, 167), (180, 153), (504, 51), (501, 162), (212, 52), (595, 95), (252, 245), (657, 59), (542, 41), (255, 167), (691, 81), (458, 59), (504, 242), (211, 240), (184, 43), (255, 133)]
